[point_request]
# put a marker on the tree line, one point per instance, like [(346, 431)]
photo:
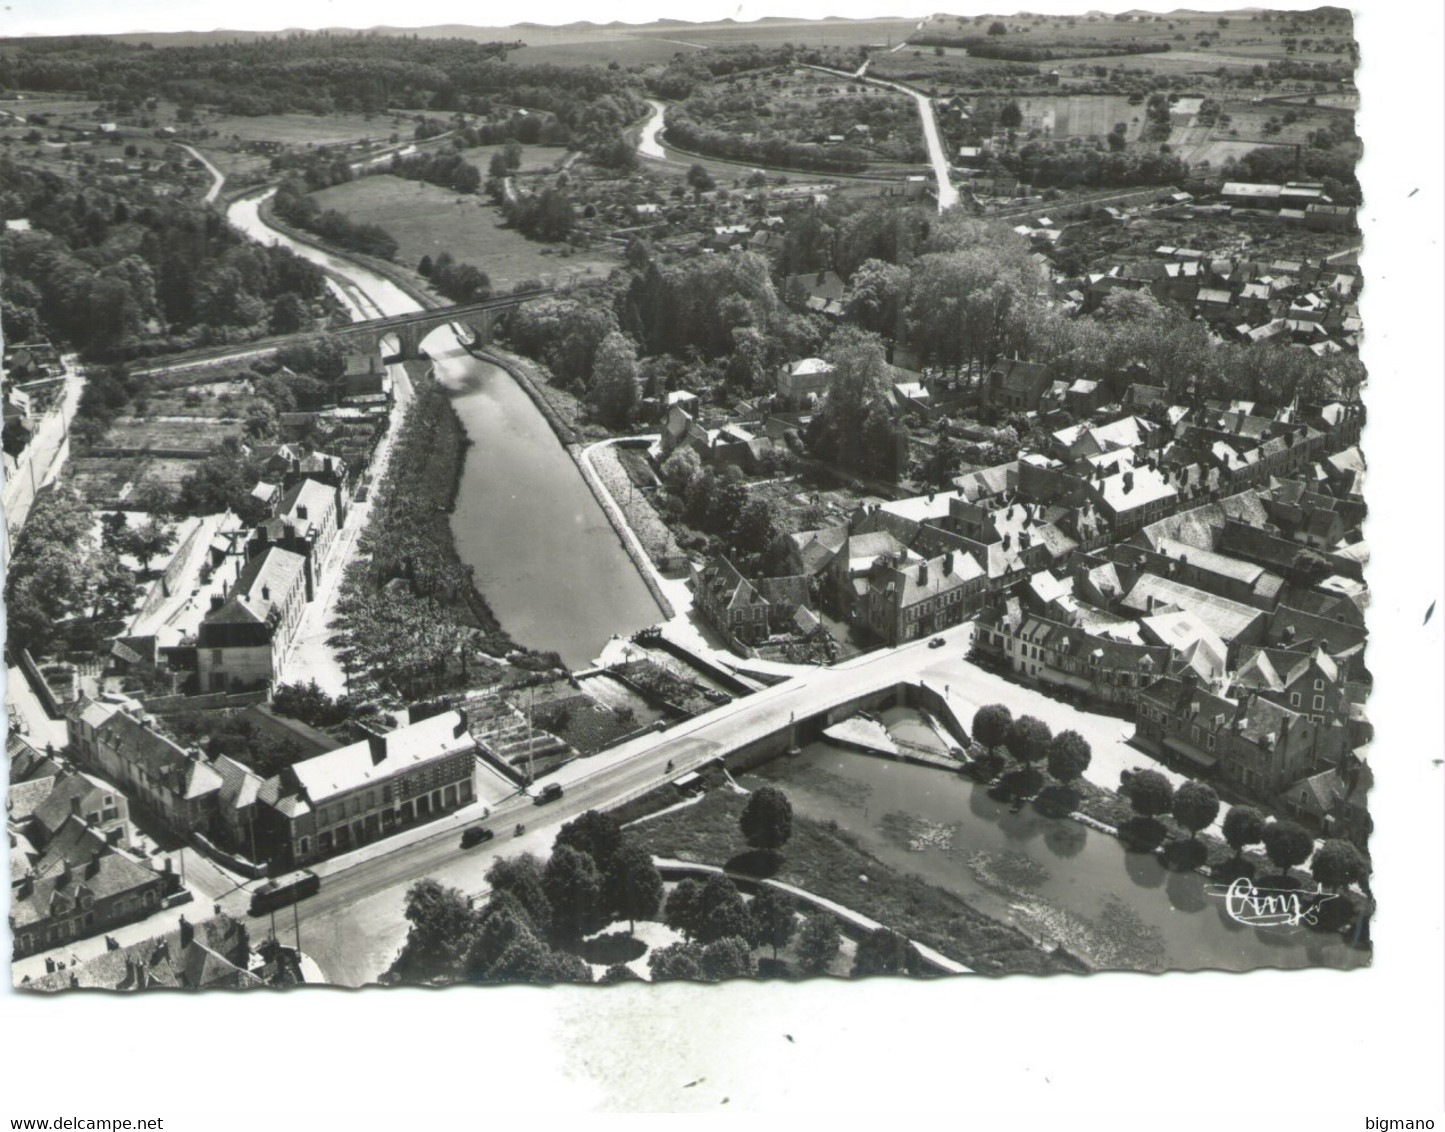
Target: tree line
[(114, 273), (294, 205)]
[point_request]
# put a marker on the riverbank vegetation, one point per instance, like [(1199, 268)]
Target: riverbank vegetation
[(827, 861), (410, 619)]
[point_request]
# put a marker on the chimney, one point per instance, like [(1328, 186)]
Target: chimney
[(378, 748), (64, 877), (461, 726), (129, 970), (75, 806), (216, 602), (329, 465), (301, 511), (948, 563), (25, 887), (265, 593), (188, 932), (94, 866), (49, 965), (922, 573), (1128, 482)]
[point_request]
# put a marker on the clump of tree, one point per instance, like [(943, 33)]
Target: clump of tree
[(854, 426), (294, 206)]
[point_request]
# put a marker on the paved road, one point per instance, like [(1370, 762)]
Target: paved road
[(310, 656), (947, 194), (45, 455), (217, 177)]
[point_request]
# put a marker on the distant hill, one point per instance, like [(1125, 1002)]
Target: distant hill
[(483, 34)]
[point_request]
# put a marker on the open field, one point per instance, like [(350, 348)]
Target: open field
[(615, 47), (535, 158), (306, 129), (100, 479), (161, 432), (808, 33), (427, 220)]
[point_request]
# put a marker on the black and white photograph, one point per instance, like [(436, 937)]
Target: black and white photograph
[(790, 509)]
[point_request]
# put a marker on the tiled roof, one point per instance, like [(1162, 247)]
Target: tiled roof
[(347, 768), (26, 797), (274, 572), (214, 957), (1228, 619)]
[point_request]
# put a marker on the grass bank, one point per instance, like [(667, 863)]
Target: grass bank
[(826, 861)]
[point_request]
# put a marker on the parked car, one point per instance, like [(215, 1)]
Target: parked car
[(549, 793), (936, 643), (475, 835)]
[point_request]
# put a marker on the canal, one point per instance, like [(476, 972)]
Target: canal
[(1055, 879), (547, 560)]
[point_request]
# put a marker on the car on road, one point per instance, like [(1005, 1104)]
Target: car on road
[(549, 793), (936, 643), (475, 835)]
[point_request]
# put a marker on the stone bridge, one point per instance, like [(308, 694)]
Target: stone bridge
[(410, 329)]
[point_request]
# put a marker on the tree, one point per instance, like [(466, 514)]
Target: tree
[(727, 958), (722, 912), (767, 819), (884, 952), (498, 166), (441, 934), (595, 833), (1149, 792), (1287, 845), (998, 27), (756, 527), (1011, 117), (574, 890), (991, 725), (679, 469), (619, 973), (676, 961), (632, 886), (700, 179), (1338, 864), (425, 267), (1069, 756), (149, 540), (774, 919), (1195, 806), (1028, 739), (512, 153), (683, 910), (818, 943), (614, 391), (523, 877), (1243, 825)]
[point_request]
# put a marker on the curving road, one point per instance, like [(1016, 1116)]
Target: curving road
[(947, 194)]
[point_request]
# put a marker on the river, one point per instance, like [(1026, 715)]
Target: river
[(547, 560), (1055, 879)]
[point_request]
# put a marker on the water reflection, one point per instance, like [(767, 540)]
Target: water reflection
[(1144, 869), (1186, 891), (1066, 839), (1047, 876)]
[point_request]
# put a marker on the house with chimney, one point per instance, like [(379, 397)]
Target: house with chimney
[(905, 600), (1244, 738), (214, 954), (360, 793), (1017, 385), (173, 783), (730, 603), (79, 885), (242, 642)]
